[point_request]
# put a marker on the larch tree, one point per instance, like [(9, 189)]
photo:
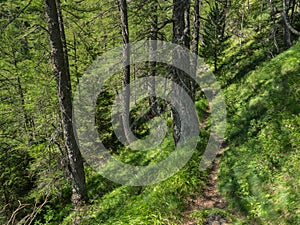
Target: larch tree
[(126, 70), (195, 43), (180, 37), (63, 85), (152, 64)]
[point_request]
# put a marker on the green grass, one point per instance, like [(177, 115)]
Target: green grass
[(161, 203), (110, 203), (260, 170)]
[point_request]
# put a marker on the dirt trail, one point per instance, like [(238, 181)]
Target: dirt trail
[(208, 198)]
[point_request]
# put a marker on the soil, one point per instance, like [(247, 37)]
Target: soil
[(209, 199)]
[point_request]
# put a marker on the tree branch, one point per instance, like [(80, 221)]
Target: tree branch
[(292, 29), (15, 16), (163, 24), (286, 19)]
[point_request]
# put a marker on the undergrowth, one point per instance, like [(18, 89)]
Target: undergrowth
[(161, 203), (260, 169)]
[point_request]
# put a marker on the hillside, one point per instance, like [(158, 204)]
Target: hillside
[(259, 168), (105, 118)]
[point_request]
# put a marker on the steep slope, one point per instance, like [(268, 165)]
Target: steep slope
[(260, 172), (259, 169)]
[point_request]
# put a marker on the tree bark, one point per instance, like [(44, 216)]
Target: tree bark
[(188, 81), (152, 60), (287, 27), (273, 12), (126, 71), (187, 30), (261, 14), (293, 11), (180, 32), (195, 43), (63, 85)]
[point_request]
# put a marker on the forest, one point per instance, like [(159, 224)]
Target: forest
[(154, 112)]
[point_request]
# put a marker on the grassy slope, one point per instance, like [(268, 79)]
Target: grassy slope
[(161, 203), (260, 171)]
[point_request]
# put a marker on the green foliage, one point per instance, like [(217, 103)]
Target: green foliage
[(214, 33), (25, 109), (259, 167), (14, 180), (160, 203)]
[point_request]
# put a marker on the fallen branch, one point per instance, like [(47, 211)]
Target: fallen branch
[(14, 214)]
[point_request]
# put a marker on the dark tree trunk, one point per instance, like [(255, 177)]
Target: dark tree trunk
[(293, 11), (126, 71), (261, 14), (63, 84), (63, 35), (286, 24), (188, 81), (180, 37), (187, 30), (273, 12), (152, 63), (178, 21), (285, 29), (195, 43), (196, 30), (215, 53)]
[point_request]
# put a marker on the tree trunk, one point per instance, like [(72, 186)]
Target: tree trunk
[(293, 11), (195, 43), (187, 30), (63, 35), (261, 14), (63, 85), (180, 32), (188, 81), (152, 60), (215, 53), (286, 24), (274, 25), (126, 71), (285, 20)]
